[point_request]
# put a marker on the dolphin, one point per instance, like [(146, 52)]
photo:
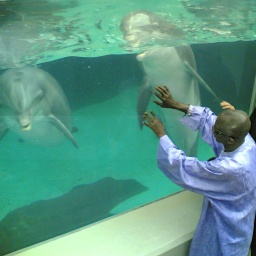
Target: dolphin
[(34, 106), (165, 66)]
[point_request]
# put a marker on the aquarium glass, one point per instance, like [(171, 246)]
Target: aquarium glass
[(57, 176)]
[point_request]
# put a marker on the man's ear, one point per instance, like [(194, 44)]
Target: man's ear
[(231, 140)]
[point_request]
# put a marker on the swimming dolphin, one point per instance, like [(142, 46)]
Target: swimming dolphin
[(33, 105), (165, 66)]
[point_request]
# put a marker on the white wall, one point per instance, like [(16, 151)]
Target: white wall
[(164, 227)]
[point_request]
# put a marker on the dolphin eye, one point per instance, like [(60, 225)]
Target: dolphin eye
[(37, 99)]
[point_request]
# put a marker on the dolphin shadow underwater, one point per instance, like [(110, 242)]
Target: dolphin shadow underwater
[(81, 206), (34, 106)]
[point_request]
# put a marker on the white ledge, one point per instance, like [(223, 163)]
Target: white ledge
[(166, 225)]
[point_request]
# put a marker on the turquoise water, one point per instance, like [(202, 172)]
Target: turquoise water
[(48, 191), (41, 31)]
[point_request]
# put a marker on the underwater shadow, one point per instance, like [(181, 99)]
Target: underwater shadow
[(81, 206), (87, 81)]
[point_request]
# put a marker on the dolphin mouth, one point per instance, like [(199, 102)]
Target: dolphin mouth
[(25, 122), (140, 56), (26, 127)]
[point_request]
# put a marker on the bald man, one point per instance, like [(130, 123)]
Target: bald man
[(227, 105), (228, 182)]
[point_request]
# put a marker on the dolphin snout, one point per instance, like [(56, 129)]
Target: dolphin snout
[(141, 56), (26, 127), (25, 123)]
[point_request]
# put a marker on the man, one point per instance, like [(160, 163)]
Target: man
[(227, 105), (227, 182)]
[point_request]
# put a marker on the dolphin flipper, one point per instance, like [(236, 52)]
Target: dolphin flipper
[(188, 59), (200, 80), (57, 123), (144, 96), (186, 54)]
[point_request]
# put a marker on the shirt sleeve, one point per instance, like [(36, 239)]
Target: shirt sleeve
[(212, 178)]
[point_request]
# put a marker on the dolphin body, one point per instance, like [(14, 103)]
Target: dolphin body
[(165, 66), (33, 105)]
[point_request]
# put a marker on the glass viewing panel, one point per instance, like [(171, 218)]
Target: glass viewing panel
[(58, 175)]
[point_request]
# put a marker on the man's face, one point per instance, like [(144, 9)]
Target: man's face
[(219, 131)]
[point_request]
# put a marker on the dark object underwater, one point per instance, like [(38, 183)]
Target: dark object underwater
[(81, 206)]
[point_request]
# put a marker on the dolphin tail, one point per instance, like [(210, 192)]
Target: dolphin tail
[(63, 129), (144, 96)]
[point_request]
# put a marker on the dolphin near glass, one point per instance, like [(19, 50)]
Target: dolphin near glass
[(34, 106), (164, 65)]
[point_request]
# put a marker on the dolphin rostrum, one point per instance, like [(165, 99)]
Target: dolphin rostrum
[(33, 105)]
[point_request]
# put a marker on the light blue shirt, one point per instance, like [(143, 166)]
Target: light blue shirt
[(228, 184)]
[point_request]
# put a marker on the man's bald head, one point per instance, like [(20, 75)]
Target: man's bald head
[(235, 122)]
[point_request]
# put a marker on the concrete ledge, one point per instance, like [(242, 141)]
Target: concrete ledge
[(164, 227)]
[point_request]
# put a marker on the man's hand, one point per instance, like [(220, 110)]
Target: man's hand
[(154, 124), (227, 105), (163, 93)]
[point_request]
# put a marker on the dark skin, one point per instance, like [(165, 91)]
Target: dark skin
[(167, 101), (233, 124)]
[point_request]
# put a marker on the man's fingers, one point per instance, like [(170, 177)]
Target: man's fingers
[(146, 118), (166, 88), (227, 105), (149, 119), (162, 89), (146, 124), (160, 96), (153, 113), (158, 103)]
